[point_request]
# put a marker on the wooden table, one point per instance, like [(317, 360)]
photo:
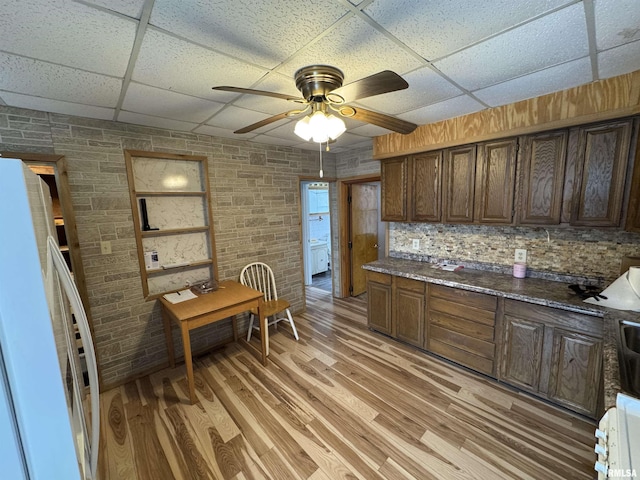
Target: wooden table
[(230, 299)]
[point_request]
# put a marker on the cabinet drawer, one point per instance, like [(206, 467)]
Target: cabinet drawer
[(486, 317), (468, 327), (555, 317), (465, 297), (475, 346), (462, 357), (383, 278), (409, 284)]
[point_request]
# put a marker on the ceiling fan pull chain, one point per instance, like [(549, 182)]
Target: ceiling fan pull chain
[(320, 145)]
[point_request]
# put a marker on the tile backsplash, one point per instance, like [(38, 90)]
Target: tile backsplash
[(551, 251)]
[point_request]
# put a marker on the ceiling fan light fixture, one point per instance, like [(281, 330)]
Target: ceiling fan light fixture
[(320, 127)]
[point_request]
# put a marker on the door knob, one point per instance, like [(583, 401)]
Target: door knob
[(375, 246)]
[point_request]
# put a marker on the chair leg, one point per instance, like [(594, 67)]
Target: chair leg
[(251, 318), (293, 325)]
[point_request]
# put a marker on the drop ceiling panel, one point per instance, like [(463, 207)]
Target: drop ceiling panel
[(269, 140), (70, 56), (555, 39), (68, 33), (617, 22), (283, 129), (454, 107), (42, 79), (271, 83), (222, 132), (354, 47), (426, 87), (163, 103), (264, 33), (570, 74), (234, 118), (130, 8), (435, 29), (139, 119), (174, 64), (56, 106), (619, 60)]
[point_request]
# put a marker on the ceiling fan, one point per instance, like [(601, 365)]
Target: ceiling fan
[(323, 93)]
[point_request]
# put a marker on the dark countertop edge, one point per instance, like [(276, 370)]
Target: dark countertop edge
[(611, 318)]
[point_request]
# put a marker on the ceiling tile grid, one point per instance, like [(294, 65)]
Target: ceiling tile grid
[(435, 29), (67, 33), (48, 80), (261, 32), (154, 62), (554, 39)]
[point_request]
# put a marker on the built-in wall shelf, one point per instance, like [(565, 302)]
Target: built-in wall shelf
[(164, 268), (169, 194), (173, 231), (173, 223)]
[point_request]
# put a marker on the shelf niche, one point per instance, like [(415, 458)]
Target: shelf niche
[(173, 219)]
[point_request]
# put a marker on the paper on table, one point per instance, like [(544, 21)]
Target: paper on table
[(180, 296)]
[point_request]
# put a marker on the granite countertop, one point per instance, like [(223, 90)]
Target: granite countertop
[(533, 290)]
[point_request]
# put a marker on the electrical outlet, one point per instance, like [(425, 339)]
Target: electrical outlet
[(521, 255), (105, 248), (416, 244)]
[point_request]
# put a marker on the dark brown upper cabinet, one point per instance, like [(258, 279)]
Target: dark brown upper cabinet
[(633, 213), (426, 187), (496, 176), (393, 182), (459, 179), (543, 164), (600, 174)]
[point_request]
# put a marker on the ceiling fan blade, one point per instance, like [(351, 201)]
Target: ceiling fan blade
[(267, 121), (379, 119), (264, 93), (382, 82)]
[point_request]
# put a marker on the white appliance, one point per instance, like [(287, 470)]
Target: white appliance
[(623, 293), (618, 440), (49, 424)]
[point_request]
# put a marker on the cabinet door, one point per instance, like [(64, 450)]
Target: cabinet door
[(459, 178), (522, 352), (574, 376), (426, 181), (496, 182), (379, 302), (600, 174), (633, 212), (543, 166), (393, 182), (408, 310)]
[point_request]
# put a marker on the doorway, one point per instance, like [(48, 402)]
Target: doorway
[(363, 235), (316, 234)]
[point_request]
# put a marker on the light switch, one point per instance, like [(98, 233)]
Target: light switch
[(105, 248)]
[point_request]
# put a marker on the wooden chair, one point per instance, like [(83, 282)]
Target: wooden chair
[(259, 276)]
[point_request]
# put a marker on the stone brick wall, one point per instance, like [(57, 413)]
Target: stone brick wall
[(255, 201)]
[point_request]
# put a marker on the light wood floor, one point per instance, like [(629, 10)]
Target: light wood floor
[(342, 402)]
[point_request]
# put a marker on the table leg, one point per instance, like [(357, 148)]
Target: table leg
[(264, 331), (188, 361), (169, 339), (234, 322)]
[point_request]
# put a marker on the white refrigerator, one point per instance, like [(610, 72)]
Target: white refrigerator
[(49, 419)]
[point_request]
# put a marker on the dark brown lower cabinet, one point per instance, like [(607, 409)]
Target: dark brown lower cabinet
[(552, 353), (555, 354), (379, 302), (409, 301), (522, 353), (461, 327), (575, 373)]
